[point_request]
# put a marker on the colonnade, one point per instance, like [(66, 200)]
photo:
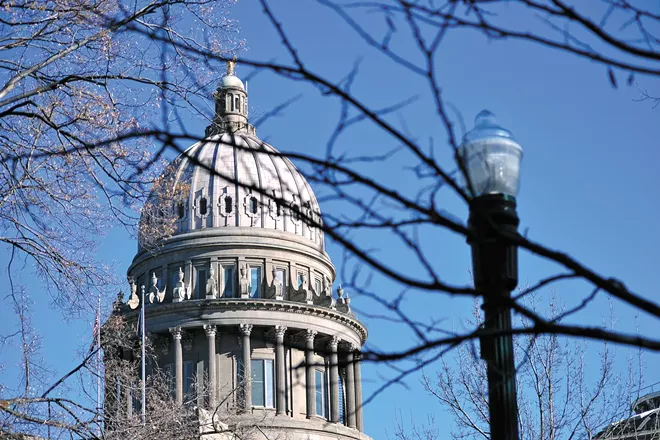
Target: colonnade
[(351, 361)]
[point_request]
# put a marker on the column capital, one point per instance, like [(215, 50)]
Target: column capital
[(210, 330), (352, 348), (245, 329), (279, 332), (332, 343), (177, 332), (310, 335)]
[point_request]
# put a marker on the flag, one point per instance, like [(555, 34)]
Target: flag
[(96, 326), (138, 329), (96, 340)]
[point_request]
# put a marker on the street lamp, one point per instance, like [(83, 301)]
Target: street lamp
[(490, 159)]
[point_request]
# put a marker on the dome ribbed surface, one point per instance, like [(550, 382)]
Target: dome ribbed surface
[(250, 177)]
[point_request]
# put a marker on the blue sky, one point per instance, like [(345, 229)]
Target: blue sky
[(589, 172)]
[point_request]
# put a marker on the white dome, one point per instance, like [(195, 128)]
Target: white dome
[(232, 81), (253, 186)]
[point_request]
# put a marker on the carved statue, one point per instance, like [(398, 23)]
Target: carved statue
[(134, 301), (324, 297), (180, 292), (118, 302), (343, 303), (244, 282), (154, 293), (275, 288), (327, 286), (211, 285), (299, 294), (279, 294)]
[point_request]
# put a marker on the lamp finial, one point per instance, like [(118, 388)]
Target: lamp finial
[(231, 65)]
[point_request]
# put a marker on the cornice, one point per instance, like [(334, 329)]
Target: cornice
[(228, 305)]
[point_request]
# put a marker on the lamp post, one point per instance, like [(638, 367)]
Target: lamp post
[(491, 162)]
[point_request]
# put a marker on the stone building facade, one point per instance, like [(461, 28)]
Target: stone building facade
[(643, 424), (239, 298)]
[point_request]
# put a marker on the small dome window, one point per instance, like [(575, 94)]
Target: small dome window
[(274, 208), (228, 205), (254, 205), (180, 210), (295, 212), (203, 206)]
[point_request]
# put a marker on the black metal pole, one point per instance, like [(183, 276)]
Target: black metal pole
[(495, 265)]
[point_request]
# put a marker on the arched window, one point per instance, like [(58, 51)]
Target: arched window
[(238, 103), (203, 206), (254, 205), (180, 210), (231, 101), (222, 104), (229, 205)]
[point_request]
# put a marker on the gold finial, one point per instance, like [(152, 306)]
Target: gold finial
[(231, 65)]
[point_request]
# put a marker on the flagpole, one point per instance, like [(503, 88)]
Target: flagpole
[(144, 392), (98, 364)]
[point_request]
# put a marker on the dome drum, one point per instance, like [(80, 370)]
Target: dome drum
[(236, 263)]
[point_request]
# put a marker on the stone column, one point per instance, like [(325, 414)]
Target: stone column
[(357, 367), (178, 364), (309, 371), (350, 388), (281, 371), (334, 379), (246, 329), (213, 386)]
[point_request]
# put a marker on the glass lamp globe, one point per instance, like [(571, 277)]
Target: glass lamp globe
[(491, 158)]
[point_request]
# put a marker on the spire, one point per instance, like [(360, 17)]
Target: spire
[(231, 105)]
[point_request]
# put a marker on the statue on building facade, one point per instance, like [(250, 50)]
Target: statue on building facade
[(211, 285), (299, 294), (180, 292), (324, 297), (343, 303), (244, 282), (274, 290), (134, 301), (154, 293)]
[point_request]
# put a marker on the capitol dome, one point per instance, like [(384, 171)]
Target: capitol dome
[(237, 294), (242, 182)]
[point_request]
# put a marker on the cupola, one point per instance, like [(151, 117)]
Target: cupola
[(231, 105)]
